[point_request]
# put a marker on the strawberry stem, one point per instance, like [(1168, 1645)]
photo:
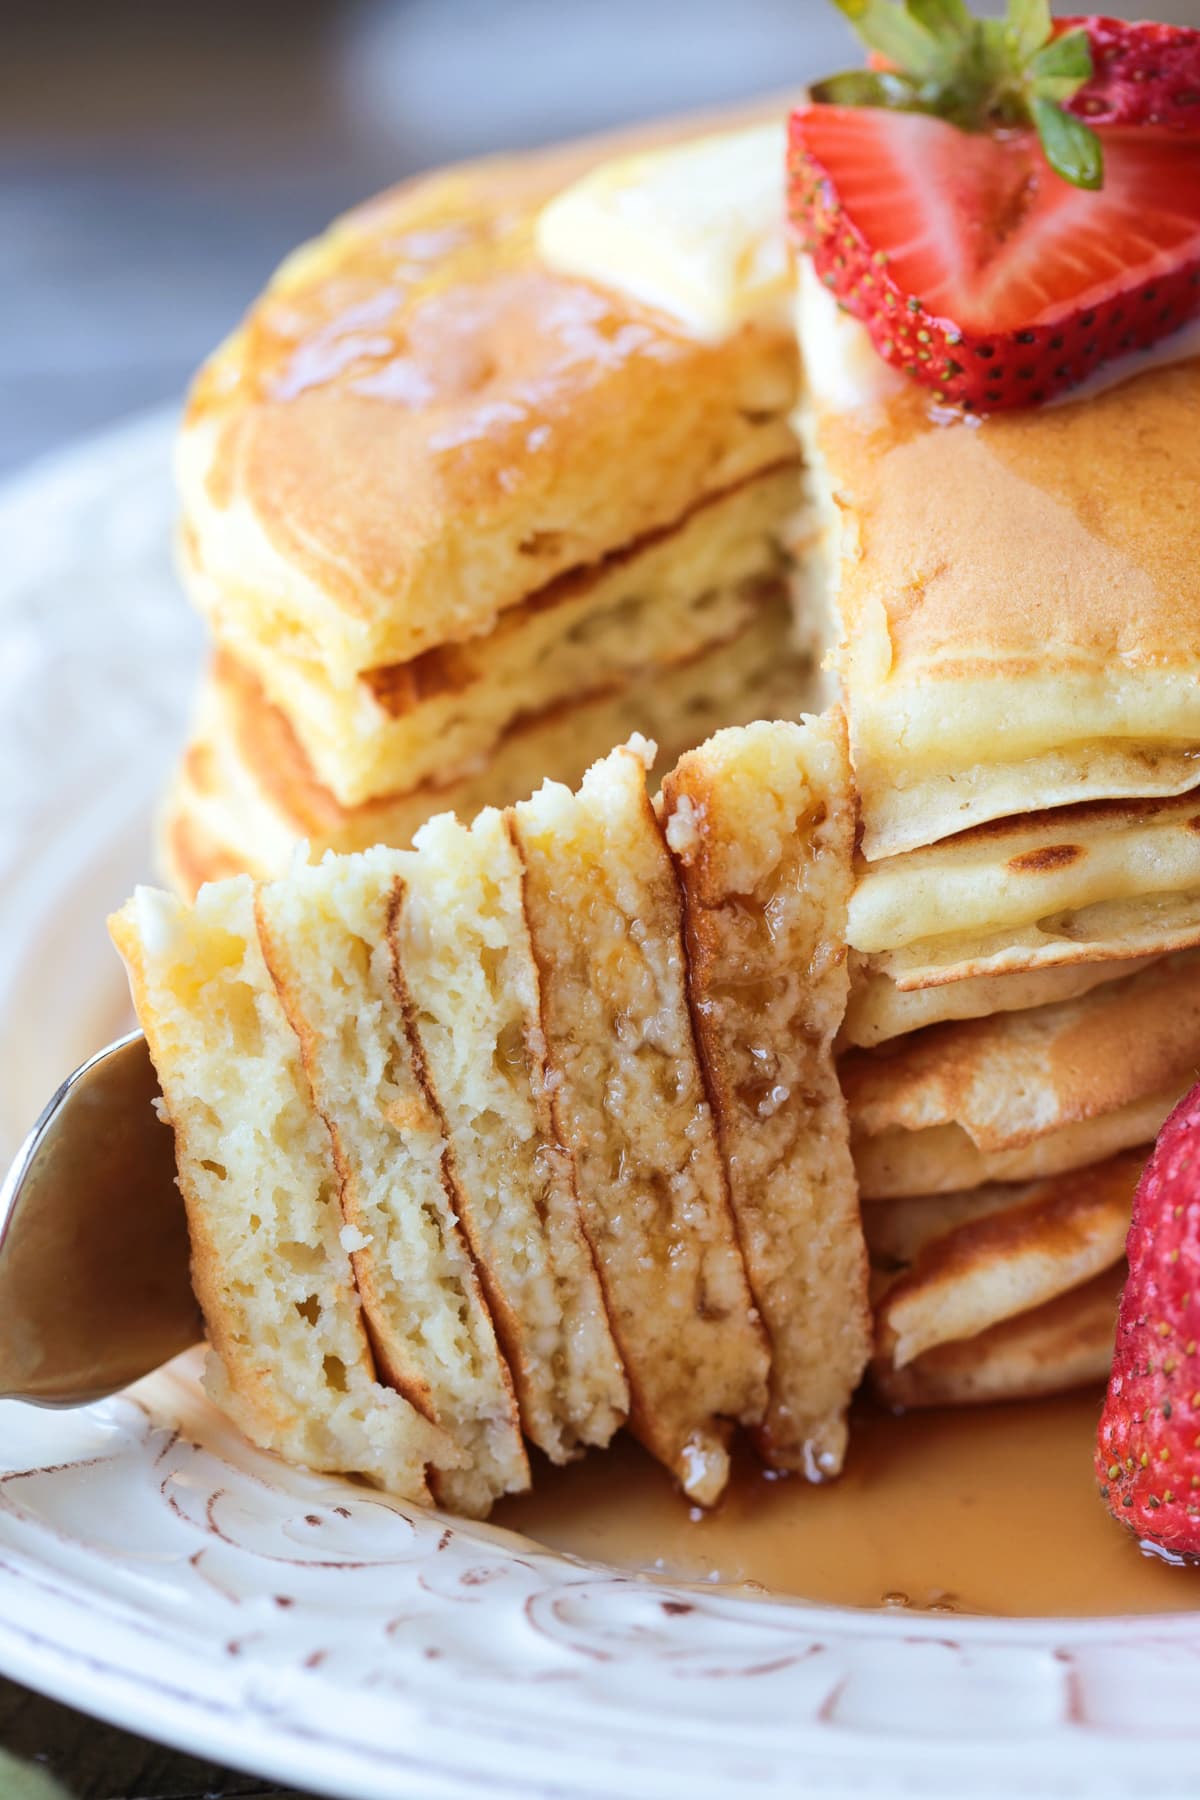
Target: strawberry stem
[(977, 74)]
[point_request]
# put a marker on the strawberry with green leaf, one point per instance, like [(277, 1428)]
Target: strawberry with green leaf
[(1004, 203)]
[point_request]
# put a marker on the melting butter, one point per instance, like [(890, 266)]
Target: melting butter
[(696, 230)]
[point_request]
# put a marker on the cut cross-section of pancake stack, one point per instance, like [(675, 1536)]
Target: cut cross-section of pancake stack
[(517, 461), (460, 522), (475, 1147), (1017, 609)]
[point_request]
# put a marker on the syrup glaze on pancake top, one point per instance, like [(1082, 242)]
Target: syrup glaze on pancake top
[(439, 496), (420, 424)]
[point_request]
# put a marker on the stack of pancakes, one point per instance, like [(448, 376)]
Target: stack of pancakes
[(1016, 598), (531, 1129), (459, 522)]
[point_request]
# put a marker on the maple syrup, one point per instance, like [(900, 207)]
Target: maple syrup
[(981, 1510)]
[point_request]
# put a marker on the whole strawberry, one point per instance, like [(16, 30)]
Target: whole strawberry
[(1148, 1449)]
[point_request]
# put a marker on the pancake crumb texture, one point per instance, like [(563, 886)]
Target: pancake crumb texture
[(325, 933), (461, 938), (245, 790), (762, 831), (444, 1127), (291, 1361), (604, 911)]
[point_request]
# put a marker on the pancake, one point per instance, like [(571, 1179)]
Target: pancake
[(419, 424), (1025, 1094), (878, 1010), (461, 946), (605, 918), (657, 603), (760, 824), (1066, 1343), (245, 792), (1018, 594), (324, 936), (1099, 883), (270, 1258), (995, 1256)]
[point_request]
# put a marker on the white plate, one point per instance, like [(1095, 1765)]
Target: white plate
[(158, 1572)]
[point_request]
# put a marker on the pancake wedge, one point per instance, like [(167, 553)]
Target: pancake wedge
[(291, 1361), (1029, 1093), (324, 933), (1066, 1343), (761, 828), (1058, 1235), (458, 935), (605, 918)]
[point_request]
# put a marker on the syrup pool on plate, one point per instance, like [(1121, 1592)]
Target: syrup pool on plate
[(982, 1510)]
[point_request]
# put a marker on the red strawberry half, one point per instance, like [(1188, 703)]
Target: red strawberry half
[(1004, 203), (1148, 1450), (978, 270)]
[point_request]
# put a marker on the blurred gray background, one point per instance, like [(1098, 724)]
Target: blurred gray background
[(158, 157)]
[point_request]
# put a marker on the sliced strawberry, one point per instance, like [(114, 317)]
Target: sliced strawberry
[(1148, 1447), (1143, 74), (977, 269)]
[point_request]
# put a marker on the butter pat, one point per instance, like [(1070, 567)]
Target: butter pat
[(695, 230)]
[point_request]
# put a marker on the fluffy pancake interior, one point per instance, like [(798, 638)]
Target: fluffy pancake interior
[(291, 1361), (760, 825), (461, 939), (605, 918), (653, 604), (324, 931), (245, 791)]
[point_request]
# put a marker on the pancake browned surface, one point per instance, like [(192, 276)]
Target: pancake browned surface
[(760, 823), (419, 425), (245, 791), (1094, 883), (324, 932), (1028, 1093), (878, 1010), (1063, 1344), (605, 917), (1018, 594), (459, 937), (1007, 1259), (290, 1358)]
